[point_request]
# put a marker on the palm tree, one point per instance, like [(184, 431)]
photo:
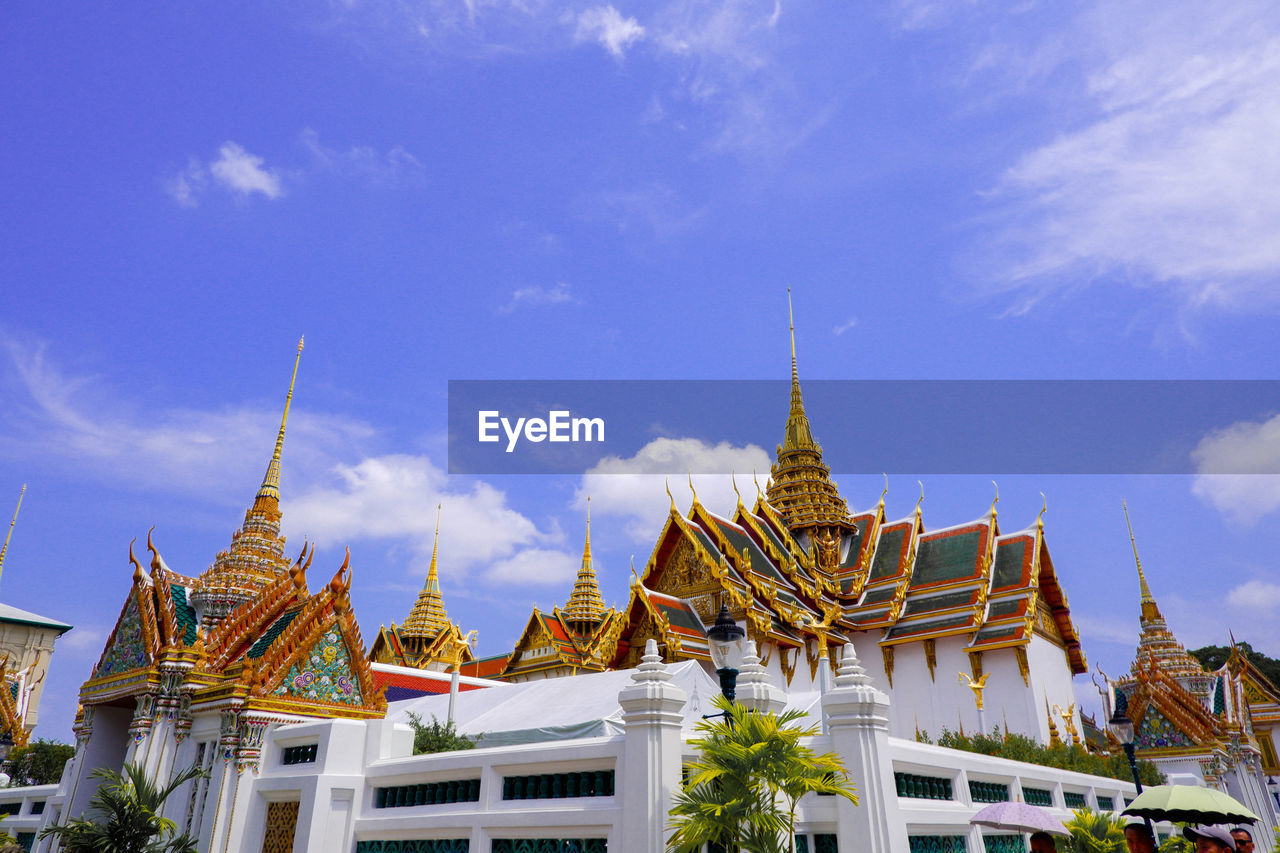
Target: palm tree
[(128, 808), (749, 762), (1094, 832)]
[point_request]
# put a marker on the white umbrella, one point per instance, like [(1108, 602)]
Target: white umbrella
[(1021, 817)]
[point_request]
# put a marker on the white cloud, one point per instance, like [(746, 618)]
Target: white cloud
[(1255, 595), (635, 488), (845, 326), (78, 421), (528, 296), (83, 641), (535, 567), (396, 167), (654, 209), (394, 497), (606, 25), (1224, 462), (242, 172), (1171, 177), (235, 170)]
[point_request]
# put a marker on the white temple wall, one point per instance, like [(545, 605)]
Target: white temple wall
[(1050, 679)]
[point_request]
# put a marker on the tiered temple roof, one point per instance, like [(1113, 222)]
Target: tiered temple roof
[(248, 631), (428, 638)]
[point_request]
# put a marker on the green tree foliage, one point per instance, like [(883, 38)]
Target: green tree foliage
[(1213, 657), (1177, 844), (38, 763), (750, 774), (1094, 832), (126, 817), (436, 736), (1017, 747)]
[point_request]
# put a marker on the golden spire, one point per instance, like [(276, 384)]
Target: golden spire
[(270, 490), (800, 486), (12, 522), (428, 617), (1149, 609), (585, 608)]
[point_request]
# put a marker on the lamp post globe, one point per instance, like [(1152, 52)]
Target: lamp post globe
[(727, 642)]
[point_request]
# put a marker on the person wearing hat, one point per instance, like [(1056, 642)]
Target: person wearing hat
[(1244, 839), (1210, 839)]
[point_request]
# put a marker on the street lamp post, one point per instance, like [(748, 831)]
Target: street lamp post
[(727, 642), (1122, 727)]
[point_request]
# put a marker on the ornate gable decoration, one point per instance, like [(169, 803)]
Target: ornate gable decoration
[(324, 673), (127, 649)]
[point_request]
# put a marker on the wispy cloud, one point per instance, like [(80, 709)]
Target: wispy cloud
[(634, 488), (395, 167), (606, 25), (534, 567), (653, 210), (335, 493), (235, 170), (1169, 178), (526, 297), (845, 326)]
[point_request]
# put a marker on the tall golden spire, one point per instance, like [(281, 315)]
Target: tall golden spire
[(1149, 609), (256, 558), (270, 490), (428, 617), (586, 605), (800, 485), (4, 548)]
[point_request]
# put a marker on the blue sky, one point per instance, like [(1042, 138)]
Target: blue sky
[(525, 190)]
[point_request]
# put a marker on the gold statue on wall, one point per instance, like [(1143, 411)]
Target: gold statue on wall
[(976, 685)]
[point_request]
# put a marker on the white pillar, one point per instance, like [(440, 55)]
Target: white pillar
[(858, 719), (755, 690), (649, 772)]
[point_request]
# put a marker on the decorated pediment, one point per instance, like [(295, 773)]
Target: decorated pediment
[(128, 648), (1156, 731), (324, 673)]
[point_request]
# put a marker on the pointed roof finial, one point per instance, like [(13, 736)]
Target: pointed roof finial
[(919, 500), (996, 499), (791, 322), (270, 489), (1147, 600), (885, 490), (428, 616), (733, 478), (1044, 507), (674, 508), (4, 548), (586, 605), (692, 489)]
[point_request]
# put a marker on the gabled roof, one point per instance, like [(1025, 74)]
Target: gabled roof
[(11, 614)]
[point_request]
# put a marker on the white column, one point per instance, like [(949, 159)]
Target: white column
[(858, 719), (756, 690), (649, 772)]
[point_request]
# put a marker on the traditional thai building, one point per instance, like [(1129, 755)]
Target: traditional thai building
[(582, 637), (965, 626), (428, 639), (199, 666), (26, 647), (1199, 727)]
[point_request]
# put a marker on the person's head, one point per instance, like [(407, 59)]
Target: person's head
[(1042, 842), (1138, 837), (1210, 839), (1244, 839)]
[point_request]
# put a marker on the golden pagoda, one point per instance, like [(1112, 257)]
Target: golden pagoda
[(586, 604), (427, 639), (800, 484), (1157, 647), (256, 557)]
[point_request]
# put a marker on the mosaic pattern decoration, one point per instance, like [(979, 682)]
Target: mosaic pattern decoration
[(127, 651), (1156, 732), (325, 675)]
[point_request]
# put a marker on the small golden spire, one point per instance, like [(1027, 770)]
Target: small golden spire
[(919, 500), (692, 489), (756, 478), (671, 496), (996, 499), (734, 480), (1054, 740), (1149, 609), (12, 522), (1044, 507), (270, 489), (791, 323), (585, 607), (884, 491)]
